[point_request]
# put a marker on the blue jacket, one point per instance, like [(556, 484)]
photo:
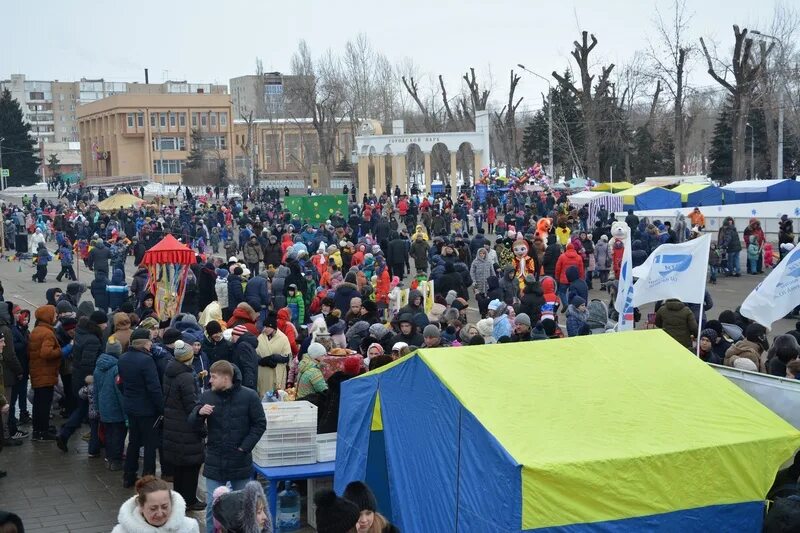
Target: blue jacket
[(577, 286), (117, 290), (140, 384), (109, 397), (99, 291), (235, 291), (256, 293), (66, 255)]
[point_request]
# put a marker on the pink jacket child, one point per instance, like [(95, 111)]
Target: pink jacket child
[(769, 256)]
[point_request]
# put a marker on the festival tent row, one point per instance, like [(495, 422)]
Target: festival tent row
[(701, 194), (613, 187), (643, 197), (752, 191), (621, 439)]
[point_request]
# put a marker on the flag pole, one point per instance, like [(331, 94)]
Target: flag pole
[(700, 320)]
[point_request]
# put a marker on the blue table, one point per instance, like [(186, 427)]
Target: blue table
[(287, 473)]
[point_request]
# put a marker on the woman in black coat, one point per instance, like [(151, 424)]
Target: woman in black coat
[(182, 443)]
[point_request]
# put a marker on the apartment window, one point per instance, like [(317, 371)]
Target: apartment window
[(130, 121), (172, 120), (203, 120), (213, 119), (60, 97), (169, 143), (223, 118), (152, 120), (168, 166), (162, 120), (140, 119), (63, 129), (36, 96), (291, 149), (72, 107), (182, 120), (194, 120)]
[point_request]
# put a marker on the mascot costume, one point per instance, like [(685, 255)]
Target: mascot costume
[(543, 228), (523, 263), (619, 232)]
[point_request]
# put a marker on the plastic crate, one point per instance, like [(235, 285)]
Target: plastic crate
[(285, 457), (287, 438), (290, 415), (313, 485), (326, 447)]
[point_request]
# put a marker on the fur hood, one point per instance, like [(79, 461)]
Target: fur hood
[(235, 511), (130, 520)]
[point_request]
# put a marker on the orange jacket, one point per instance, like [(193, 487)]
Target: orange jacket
[(44, 351), (382, 290)]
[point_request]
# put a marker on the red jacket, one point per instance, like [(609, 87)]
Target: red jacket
[(569, 258)]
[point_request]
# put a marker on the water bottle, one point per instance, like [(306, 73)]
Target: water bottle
[(288, 515)]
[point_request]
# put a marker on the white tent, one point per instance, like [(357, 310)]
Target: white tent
[(584, 197)]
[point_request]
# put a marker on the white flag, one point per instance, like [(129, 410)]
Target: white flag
[(673, 271), (624, 302), (778, 294)]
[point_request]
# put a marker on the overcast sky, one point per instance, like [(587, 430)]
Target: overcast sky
[(212, 41)]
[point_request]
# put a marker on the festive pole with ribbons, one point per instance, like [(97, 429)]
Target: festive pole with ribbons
[(167, 265)]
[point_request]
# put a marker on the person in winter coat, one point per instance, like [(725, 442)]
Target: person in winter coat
[(273, 253), (784, 349), (274, 354), (480, 271), (532, 301), (602, 260), (43, 258), (154, 509), (597, 317), (728, 239), (751, 347), (10, 371), (99, 291), (677, 320), (569, 258), (109, 403), (577, 315), (139, 284), (191, 299), (257, 293), (551, 255), (246, 316), (122, 329), (143, 401), (87, 347), (396, 255), (295, 302), (577, 286), (182, 443), (244, 356), (509, 284), (242, 510), (414, 305), (44, 354), (253, 254), (408, 331), (235, 289), (284, 317), (117, 290), (20, 334), (206, 280), (419, 252), (214, 344), (309, 377), (146, 309), (234, 420)]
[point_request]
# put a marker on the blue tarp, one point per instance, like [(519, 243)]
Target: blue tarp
[(710, 195), (753, 191), (656, 198)]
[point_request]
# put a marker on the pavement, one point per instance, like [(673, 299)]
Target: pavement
[(54, 491)]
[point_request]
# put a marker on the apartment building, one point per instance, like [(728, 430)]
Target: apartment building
[(148, 136), (50, 107), (268, 96)]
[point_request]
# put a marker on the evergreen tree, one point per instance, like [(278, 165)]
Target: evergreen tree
[(53, 163), (344, 165), (222, 173), (19, 148), (535, 145), (721, 153), (664, 152), (197, 153), (643, 158)]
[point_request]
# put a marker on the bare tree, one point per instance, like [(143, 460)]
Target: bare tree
[(746, 71), (506, 126), (671, 57), (590, 100)]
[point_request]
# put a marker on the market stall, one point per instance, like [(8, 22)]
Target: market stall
[(616, 186), (648, 197), (167, 266), (700, 194), (751, 191), (621, 438)]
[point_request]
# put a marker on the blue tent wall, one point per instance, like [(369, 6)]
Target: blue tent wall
[(785, 190), (728, 197), (710, 195), (656, 198)]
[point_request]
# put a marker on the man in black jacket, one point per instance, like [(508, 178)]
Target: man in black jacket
[(215, 346), (235, 421), (87, 348), (396, 255), (143, 403)]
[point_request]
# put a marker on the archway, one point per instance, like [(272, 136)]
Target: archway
[(465, 158), (372, 170), (415, 167)]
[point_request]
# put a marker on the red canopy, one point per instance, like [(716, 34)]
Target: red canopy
[(169, 251)]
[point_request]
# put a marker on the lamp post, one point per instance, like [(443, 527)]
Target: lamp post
[(2, 178), (779, 165), (752, 153), (549, 118)]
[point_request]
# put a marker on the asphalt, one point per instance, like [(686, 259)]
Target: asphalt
[(54, 491)]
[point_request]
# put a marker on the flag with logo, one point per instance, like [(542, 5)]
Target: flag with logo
[(673, 271), (624, 302), (778, 294)]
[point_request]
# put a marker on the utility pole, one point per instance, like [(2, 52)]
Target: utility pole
[(2, 178), (551, 170), (779, 165)]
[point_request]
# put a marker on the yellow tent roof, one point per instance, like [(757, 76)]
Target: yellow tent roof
[(628, 194), (613, 187), (688, 188), (621, 425), (119, 201)]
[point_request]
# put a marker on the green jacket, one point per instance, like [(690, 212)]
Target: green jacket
[(310, 378)]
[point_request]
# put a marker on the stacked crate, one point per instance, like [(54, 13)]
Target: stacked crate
[(291, 435)]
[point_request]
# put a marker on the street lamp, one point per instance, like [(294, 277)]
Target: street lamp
[(549, 117), (752, 153), (779, 166), (2, 178)]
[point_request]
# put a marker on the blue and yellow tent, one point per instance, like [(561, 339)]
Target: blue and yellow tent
[(644, 197), (697, 194), (617, 432)]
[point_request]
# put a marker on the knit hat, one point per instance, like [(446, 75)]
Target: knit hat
[(522, 319), (98, 317), (399, 346), (577, 301), (431, 331), (113, 347), (271, 321), (754, 332), (183, 351), (742, 363), (63, 307), (69, 323), (451, 297), (710, 334), (335, 514), (485, 327), (378, 331), (316, 350), (494, 305), (213, 327), (361, 495), (149, 323), (140, 334), (239, 330), (352, 365), (171, 335)]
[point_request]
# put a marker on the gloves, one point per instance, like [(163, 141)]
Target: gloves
[(279, 359), (267, 361), (66, 351)]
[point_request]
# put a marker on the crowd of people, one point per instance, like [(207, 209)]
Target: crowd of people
[(271, 296)]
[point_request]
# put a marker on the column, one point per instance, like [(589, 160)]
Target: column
[(453, 176), (428, 176), (478, 166), (380, 174), (402, 175), (392, 175), (363, 177)]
